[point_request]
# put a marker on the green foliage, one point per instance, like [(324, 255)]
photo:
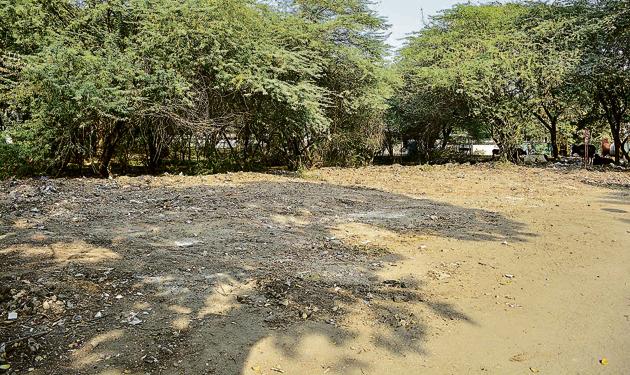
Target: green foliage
[(211, 85), (604, 40), (171, 79), (468, 63), (513, 69)]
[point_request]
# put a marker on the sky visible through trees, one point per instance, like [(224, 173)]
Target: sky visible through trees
[(206, 86)]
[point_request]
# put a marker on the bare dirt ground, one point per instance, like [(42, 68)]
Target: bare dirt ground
[(383, 270)]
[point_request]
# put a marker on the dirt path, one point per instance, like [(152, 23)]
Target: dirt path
[(397, 270)]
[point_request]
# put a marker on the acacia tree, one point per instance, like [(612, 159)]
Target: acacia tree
[(548, 82), (124, 78), (125, 69), (349, 37), (471, 52), (605, 47)]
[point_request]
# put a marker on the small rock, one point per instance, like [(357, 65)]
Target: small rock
[(243, 299), (270, 318), (395, 284), (98, 315), (33, 345)]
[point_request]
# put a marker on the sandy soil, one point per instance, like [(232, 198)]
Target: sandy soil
[(384, 270)]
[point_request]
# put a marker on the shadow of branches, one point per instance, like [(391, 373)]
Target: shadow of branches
[(210, 271)]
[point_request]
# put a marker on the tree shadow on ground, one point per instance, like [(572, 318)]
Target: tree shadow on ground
[(189, 279), (617, 202)]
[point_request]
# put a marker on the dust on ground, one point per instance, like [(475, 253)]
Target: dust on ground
[(485, 269)]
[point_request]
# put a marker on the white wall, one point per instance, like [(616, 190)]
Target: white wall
[(485, 150)]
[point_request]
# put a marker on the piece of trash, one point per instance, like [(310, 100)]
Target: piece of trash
[(504, 243), (185, 243), (603, 362), (509, 276), (276, 369), (98, 315), (534, 370), (12, 315), (133, 319), (119, 296), (5, 366)]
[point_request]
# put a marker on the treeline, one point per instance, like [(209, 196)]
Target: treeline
[(540, 70), (213, 83)]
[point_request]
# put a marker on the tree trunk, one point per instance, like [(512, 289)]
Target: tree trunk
[(109, 148), (553, 131), (154, 154), (618, 144), (615, 107), (446, 135)]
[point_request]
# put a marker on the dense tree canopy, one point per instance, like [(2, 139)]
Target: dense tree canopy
[(212, 85), (504, 69), (215, 81)]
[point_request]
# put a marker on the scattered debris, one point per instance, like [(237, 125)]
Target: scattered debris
[(395, 283), (186, 243), (132, 319)]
